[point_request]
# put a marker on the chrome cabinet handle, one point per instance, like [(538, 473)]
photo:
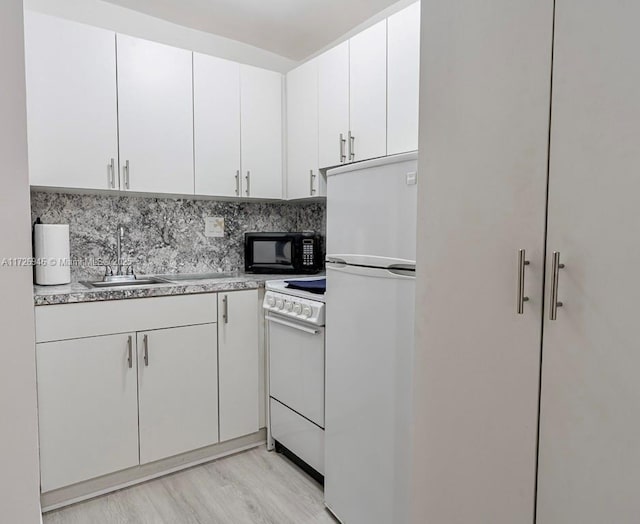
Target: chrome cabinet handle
[(352, 146), (248, 179), (311, 178), (145, 341), (522, 263), (126, 171), (112, 173), (225, 309), (238, 182), (555, 274), (130, 351), (343, 142)]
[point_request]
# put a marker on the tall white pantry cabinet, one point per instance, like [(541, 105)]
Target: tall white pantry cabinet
[(526, 374)]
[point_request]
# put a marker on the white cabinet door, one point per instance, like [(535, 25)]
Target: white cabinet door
[(239, 365), (303, 177), (333, 105), (589, 464), (482, 197), (403, 79), (155, 116), (261, 131), (216, 113), (71, 103), (87, 408), (178, 393), (368, 93)]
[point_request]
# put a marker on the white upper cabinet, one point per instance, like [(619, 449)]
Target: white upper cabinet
[(368, 93), (261, 132), (155, 117), (333, 104), (216, 113), (403, 79), (303, 177), (71, 103)]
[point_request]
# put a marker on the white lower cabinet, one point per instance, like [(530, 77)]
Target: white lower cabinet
[(88, 408), (109, 402), (178, 390), (238, 360)]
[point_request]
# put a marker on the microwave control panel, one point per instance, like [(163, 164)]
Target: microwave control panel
[(308, 256)]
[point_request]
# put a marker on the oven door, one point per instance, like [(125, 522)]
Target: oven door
[(296, 366)]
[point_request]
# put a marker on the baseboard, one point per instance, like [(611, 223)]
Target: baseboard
[(122, 479)]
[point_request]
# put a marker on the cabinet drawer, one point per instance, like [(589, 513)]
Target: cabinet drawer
[(297, 434), (67, 321)]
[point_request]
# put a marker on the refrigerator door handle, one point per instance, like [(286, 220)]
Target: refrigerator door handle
[(335, 260), (402, 272), (374, 261), (402, 267), (375, 272)]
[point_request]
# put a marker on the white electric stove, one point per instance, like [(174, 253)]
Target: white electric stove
[(295, 335)]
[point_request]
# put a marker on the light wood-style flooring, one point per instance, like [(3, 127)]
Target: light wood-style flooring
[(255, 486)]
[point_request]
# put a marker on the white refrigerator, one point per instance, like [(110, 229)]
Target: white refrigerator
[(371, 237)]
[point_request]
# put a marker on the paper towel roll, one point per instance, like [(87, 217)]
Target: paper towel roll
[(51, 245)]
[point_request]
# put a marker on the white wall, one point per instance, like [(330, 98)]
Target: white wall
[(385, 13), (134, 23), (19, 470)]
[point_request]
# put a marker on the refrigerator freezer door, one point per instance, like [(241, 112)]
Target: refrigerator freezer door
[(371, 208), (369, 354)]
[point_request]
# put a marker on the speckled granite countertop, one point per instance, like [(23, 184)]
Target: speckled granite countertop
[(78, 292)]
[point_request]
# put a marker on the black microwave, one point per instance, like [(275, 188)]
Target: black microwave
[(282, 253)]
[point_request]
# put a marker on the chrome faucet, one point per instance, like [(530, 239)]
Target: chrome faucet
[(119, 239), (119, 274)]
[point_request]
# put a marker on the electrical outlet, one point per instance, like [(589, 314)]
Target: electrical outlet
[(214, 227)]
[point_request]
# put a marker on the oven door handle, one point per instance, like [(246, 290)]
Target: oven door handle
[(292, 325)]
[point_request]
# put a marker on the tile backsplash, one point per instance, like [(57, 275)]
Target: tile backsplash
[(164, 235)]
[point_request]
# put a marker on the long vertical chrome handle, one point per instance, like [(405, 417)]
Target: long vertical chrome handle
[(352, 146), (126, 174), (130, 351), (112, 173), (343, 142), (311, 179), (145, 341), (555, 274), (225, 309), (248, 179), (522, 263), (238, 182)]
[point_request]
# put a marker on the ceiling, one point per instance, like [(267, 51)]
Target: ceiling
[(291, 28)]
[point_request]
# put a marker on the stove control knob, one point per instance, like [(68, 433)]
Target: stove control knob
[(271, 301), (297, 308), (306, 311), (288, 306), (279, 303)]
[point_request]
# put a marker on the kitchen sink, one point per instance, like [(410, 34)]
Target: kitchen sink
[(142, 281), (179, 277)]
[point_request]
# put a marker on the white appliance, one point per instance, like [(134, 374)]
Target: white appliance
[(296, 346), (371, 236)]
